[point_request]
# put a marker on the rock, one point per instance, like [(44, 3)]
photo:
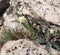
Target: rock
[(24, 47), (46, 9)]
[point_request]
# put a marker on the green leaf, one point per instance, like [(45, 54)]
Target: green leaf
[(7, 35), (56, 46), (47, 47), (37, 39), (27, 27)]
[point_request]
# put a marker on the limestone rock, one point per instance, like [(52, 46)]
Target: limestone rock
[(22, 47), (25, 47), (46, 9)]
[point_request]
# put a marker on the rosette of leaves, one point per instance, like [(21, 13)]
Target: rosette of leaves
[(30, 33)]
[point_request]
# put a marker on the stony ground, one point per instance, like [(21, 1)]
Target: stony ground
[(25, 47), (41, 15)]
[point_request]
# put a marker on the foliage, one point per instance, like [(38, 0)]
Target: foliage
[(6, 35), (33, 35), (49, 34), (47, 39)]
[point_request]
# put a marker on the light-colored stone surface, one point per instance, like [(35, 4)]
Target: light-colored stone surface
[(22, 47), (25, 47), (46, 9)]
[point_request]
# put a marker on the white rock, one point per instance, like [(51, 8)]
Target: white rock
[(22, 47), (46, 9)]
